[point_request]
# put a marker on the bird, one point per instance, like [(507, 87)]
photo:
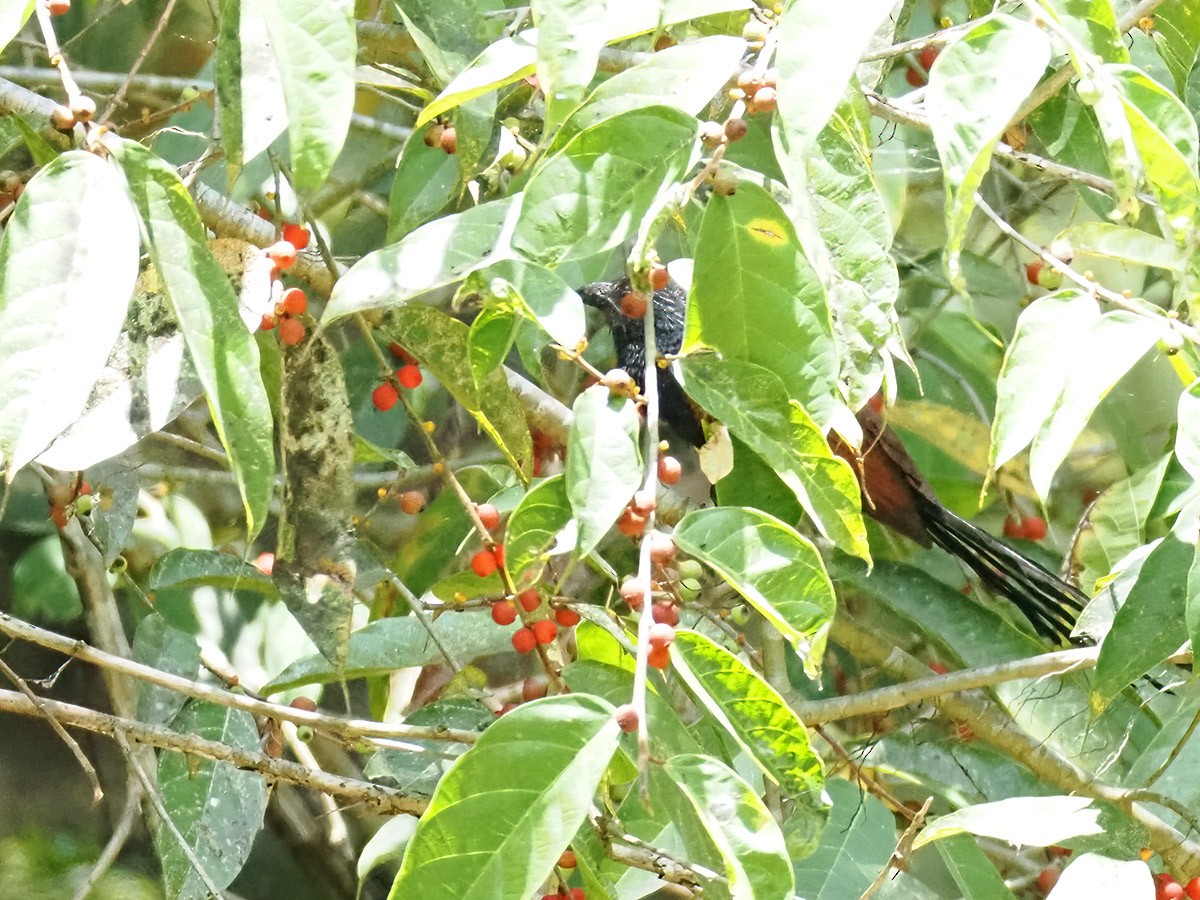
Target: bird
[(894, 491)]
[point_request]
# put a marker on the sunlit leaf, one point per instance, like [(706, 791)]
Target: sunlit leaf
[(604, 464)]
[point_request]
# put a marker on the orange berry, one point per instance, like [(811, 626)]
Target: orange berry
[(412, 502), (576, 893), (1033, 271), (915, 77), (661, 635), (488, 515), (631, 524), (304, 703), (296, 235), (504, 612), (937, 668), (294, 302), (926, 57), (669, 470), (449, 140), (633, 305), (265, 562), (1013, 527), (268, 322), (524, 640), (1034, 528), (665, 612), (291, 332), (533, 689), (567, 618), (58, 515), (59, 7), (765, 100), (1192, 890), (643, 503), (659, 277), (483, 563), (529, 600), (62, 118), (410, 377), (545, 630), (499, 552), (876, 403), (627, 718), (282, 254), (384, 397), (1048, 878), (633, 594), (567, 860), (658, 657), (506, 708), (735, 130), (662, 548)]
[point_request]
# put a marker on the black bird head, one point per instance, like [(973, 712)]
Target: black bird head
[(629, 337)]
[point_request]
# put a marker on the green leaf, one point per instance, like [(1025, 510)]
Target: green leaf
[(420, 766), (856, 844), (1109, 241), (250, 96), (1149, 626), (569, 40), (489, 339), (604, 463), (502, 837), (503, 62), (753, 712), (1031, 821), (685, 77), (1177, 38), (973, 872), (1092, 24), (41, 588), (12, 17), (221, 346), (1187, 436), (218, 809), (751, 402), (158, 645), (739, 823), (396, 643), (969, 109), (755, 298), (534, 526), (314, 47), (442, 344), (450, 36), (540, 294), (68, 264), (438, 253), (426, 180), (592, 194), (819, 49), (1101, 878), (774, 568), (186, 568)]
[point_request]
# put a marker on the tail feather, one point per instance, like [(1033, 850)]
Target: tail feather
[(1050, 603)]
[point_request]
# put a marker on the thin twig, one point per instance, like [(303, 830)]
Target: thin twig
[(119, 96), (116, 842), (900, 855)]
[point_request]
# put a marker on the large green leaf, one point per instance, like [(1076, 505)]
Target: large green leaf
[(969, 109), (1092, 24), (484, 836), (1106, 240), (314, 47), (438, 253), (755, 297), (604, 465), (752, 403), (68, 265), (218, 809), (591, 195), (739, 823), (534, 526), (221, 346), (158, 645), (249, 85), (1177, 39), (754, 713), (855, 846), (772, 566), (426, 181), (1037, 821), (503, 62), (540, 294), (184, 567), (570, 37), (971, 869)]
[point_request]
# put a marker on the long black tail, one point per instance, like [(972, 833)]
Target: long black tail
[(1050, 603)]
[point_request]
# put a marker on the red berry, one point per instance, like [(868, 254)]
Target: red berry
[(282, 254), (384, 397), (627, 718), (937, 668), (643, 503), (876, 403), (59, 7), (633, 594), (735, 130), (304, 703), (503, 612), (488, 515), (449, 140), (567, 860), (662, 548), (631, 524), (545, 630), (633, 305), (665, 612), (1014, 528), (1171, 890), (1048, 878), (84, 488), (412, 502), (669, 470), (529, 600), (499, 551), (410, 377), (58, 515), (506, 708), (926, 57), (567, 618), (483, 563), (659, 277), (915, 77), (265, 562), (533, 689), (658, 657), (294, 302), (1192, 890), (576, 894), (1035, 528), (296, 235), (661, 635), (524, 640), (400, 353), (1033, 271), (268, 322), (291, 332)]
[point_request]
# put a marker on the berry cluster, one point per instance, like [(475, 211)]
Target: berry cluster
[(67, 500), (760, 90), (409, 375), (444, 136), (1167, 888), (293, 302)]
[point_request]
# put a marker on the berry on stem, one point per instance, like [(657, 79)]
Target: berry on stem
[(533, 689), (59, 7), (669, 470), (661, 635), (1035, 528), (504, 612), (659, 277), (294, 302), (633, 594), (735, 130), (567, 618), (1014, 527), (409, 377), (267, 323), (529, 599), (567, 859), (633, 305), (665, 612), (658, 657), (297, 235), (412, 502), (631, 524), (662, 548), (433, 135), (488, 515), (1033, 271), (384, 397), (282, 254), (484, 563), (627, 718), (524, 640), (291, 332), (449, 140), (545, 630), (1192, 889)]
